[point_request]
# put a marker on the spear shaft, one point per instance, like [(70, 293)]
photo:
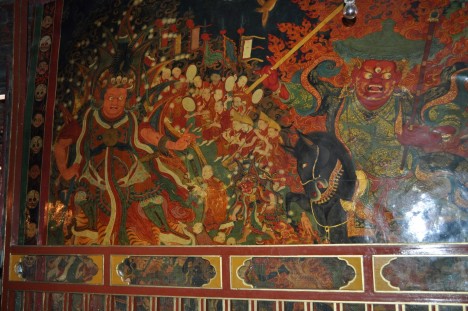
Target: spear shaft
[(433, 19), (297, 47)]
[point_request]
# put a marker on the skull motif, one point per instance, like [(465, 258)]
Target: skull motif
[(47, 21), (32, 199), (34, 171), (42, 67), (40, 92), (45, 43), (36, 144), (38, 120)]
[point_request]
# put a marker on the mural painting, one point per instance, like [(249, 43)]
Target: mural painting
[(163, 133), (435, 274), (58, 269), (303, 273), (166, 271)]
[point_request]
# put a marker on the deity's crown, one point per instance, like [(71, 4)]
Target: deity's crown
[(118, 80)]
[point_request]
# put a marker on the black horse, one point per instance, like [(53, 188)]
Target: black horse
[(327, 174)]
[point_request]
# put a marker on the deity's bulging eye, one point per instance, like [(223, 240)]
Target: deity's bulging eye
[(378, 69), (387, 75), (121, 98), (368, 75), (111, 97)]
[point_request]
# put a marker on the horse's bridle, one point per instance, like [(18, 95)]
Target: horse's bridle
[(313, 169), (329, 192)]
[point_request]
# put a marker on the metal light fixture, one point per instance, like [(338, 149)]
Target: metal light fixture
[(350, 9)]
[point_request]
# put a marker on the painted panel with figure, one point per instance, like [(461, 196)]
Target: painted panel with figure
[(57, 269), (181, 271), (216, 123), (299, 273)]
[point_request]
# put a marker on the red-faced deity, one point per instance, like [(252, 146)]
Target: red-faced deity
[(375, 82), (114, 103)]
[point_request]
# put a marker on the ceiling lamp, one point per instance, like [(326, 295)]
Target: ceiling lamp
[(350, 9)]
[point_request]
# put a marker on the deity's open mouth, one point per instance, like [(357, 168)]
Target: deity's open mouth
[(375, 88)]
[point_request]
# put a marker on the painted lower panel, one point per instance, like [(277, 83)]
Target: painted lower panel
[(173, 271), (421, 274), (309, 273), (74, 269)]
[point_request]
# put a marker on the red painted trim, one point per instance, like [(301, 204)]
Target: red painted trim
[(292, 250), (26, 299), (87, 301), (108, 302), (48, 120), (107, 272), (12, 190), (8, 300), (17, 123), (39, 300), (66, 301), (368, 273)]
